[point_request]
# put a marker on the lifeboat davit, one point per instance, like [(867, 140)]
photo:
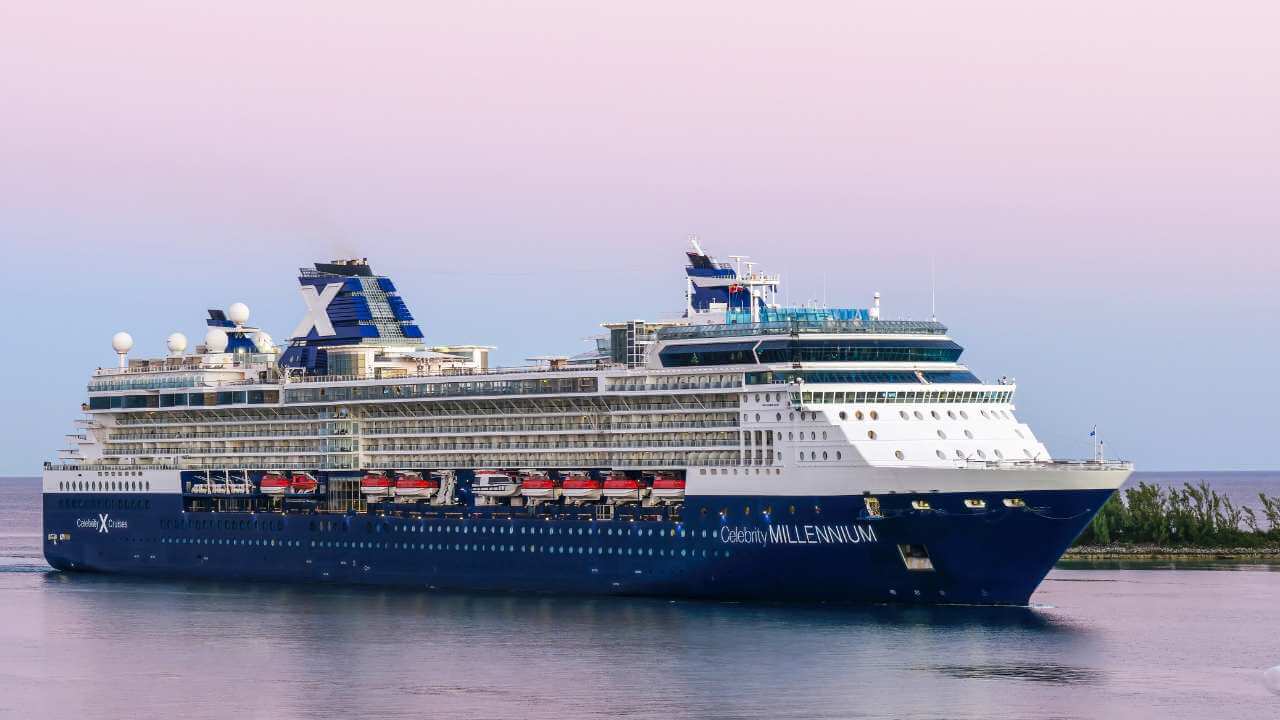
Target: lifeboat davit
[(376, 485), (495, 484), (412, 484), (303, 484), (580, 487), (622, 488), (273, 484), (668, 488), (538, 486)]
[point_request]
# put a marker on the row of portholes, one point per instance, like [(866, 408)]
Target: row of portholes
[(952, 414), (114, 473), (812, 435), (257, 542), (960, 454), (469, 547), (813, 455), (104, 485), (746, 471), (792, 416)]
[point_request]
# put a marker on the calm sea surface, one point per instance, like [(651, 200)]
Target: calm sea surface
[(1167, 643)]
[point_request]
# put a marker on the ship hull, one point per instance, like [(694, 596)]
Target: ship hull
[(757, 548)]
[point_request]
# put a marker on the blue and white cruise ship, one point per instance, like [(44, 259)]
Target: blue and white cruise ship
[(744, 450)]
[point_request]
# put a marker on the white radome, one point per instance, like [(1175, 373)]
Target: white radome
[(238, 313), (122, 342), (176, 343), (215, 341)]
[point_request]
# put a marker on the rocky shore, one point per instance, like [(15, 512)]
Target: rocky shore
[(1158, 552)]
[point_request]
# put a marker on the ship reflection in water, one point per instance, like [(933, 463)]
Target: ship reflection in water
[(1138, 644)]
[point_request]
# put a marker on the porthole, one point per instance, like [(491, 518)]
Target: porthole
[(824, 434), (982, 454), (813, 435), (904, 415), (790, 436), (998, 453), (1027, 452), (837, 454), (935, 414), (779, 417), (941, 455), (942, 435), (984, 414), (858, 414), (875, 415), (1018, 432), (824, 454), (919, 415), (951, 414), (899, 454), (871, 434), (968, 434), (757, 417), (964, 414), (791, 416), (960, 454), (844, 415)]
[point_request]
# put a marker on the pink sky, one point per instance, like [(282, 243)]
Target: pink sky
[(1081, 171)]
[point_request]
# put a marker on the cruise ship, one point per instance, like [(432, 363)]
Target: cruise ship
[(742, 449)]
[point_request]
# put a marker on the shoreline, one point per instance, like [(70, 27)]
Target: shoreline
[(1157, 552)]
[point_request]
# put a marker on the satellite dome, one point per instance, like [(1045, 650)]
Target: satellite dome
[(238, 313), (122, 342), (176, 343), (215, 341)]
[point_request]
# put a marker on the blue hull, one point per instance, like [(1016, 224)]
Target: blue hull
[(784, 549)]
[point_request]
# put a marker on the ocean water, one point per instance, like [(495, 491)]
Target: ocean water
[(1167, 644), (1242, 488)]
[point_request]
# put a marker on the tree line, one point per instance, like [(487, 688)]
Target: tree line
[(1194, 515)]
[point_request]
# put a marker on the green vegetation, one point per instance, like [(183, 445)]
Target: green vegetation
[(1195, 516)]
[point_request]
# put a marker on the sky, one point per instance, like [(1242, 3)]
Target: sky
[(1097, 184)]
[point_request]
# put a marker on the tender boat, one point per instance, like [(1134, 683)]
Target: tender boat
[(495, 484), (580, 487), (303, 484), (620, 488), (375, 486), (668, 488), (273, 484), (413, 485), (538, 486)]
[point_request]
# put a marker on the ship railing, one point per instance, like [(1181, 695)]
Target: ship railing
[(79, 467), (804, 327), (1065, 465), (459, 447)]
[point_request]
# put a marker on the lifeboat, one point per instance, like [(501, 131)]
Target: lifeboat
[(376, 485), (621, 488), (273, 484), (668, 488), (412, 484), (303, 484), (495, 484), (538, 486), (580, 487)]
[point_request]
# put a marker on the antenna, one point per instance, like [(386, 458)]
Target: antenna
[(933, 290), (737, 259), (693, 239)]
